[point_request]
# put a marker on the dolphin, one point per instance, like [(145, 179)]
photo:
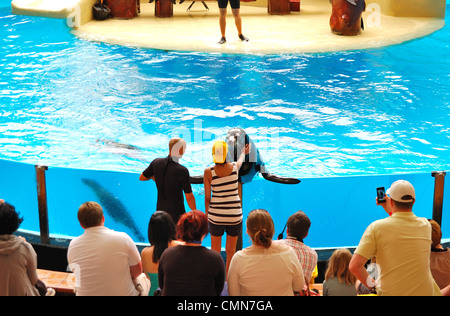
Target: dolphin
[(114, 207), (236, 139), (117, 148)]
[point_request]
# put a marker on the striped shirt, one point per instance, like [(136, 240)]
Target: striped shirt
[(225, 207)]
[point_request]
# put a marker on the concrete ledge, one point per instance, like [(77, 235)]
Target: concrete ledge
[(45, 8), (78, 12), (411, 8)]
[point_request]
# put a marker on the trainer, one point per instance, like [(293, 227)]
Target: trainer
[(235, 8)]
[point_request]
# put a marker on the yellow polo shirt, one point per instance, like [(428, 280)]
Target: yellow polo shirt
[(401, 244)]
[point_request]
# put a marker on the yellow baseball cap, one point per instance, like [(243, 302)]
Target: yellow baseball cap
[(219, 151)]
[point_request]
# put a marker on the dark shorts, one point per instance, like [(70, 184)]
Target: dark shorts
[(235, 4), (219, 230)]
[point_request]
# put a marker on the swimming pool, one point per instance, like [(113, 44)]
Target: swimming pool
[(70, 103)]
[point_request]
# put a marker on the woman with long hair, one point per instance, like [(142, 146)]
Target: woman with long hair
[(339, 281), (161, 235)]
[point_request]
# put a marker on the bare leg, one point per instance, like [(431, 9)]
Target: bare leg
[(223, 23), (230, 249), (216, 243), (238, 22)]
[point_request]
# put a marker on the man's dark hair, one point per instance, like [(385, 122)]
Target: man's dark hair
[(404, 205), (298, 225)]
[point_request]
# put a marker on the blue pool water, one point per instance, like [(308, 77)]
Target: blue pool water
[(65, 102), (362, 112)]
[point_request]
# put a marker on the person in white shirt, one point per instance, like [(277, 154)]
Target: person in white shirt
[(105, 262), (265, 268)]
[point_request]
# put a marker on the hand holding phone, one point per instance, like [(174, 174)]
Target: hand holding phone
[(381, 195)]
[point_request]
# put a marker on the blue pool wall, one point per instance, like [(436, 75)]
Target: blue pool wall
[(340, 208)]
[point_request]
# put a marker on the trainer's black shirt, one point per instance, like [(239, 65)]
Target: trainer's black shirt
[(172, 179)]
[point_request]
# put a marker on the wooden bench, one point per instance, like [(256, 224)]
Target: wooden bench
[(317, 286), (61, 282)]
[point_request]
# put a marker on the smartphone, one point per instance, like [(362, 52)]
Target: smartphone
[(381, 194)]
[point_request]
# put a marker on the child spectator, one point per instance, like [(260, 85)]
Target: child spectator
[(440, 257), (339, 281)]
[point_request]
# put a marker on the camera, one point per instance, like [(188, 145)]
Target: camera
[(381, 194)]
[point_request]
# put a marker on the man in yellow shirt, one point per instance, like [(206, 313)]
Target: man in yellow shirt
[(402, 244)]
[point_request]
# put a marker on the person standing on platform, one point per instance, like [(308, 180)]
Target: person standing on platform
[(235, 9), (172, 179)]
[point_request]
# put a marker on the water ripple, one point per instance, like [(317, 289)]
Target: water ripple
[(374, 111)]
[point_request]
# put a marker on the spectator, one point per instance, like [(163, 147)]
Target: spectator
[(264, 268), (440, 257), (105, 262), (172, 179), (18, 260), (161, 235), (297, 226), (446, 291), (191, 269), (372, 269), (401, 244), (224, 209), (339, 281)]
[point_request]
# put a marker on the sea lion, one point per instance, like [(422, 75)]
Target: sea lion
[(236, 139), (346, 17)]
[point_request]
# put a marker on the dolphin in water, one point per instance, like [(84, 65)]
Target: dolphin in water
[(236, 139), (114, 207), (117, 148)]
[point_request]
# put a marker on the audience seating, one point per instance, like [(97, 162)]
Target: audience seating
[(61, 282)]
